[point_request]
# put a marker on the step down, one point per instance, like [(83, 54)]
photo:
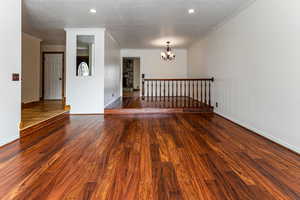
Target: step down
[(46, 124)]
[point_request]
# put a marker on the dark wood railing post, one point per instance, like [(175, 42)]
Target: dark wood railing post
[(143, 86)]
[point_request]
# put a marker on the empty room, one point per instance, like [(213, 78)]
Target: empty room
[(150, 100)]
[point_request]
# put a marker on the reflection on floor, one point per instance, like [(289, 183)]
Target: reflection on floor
[(132, 103), (40, 112), (133, 100), (155, 102)]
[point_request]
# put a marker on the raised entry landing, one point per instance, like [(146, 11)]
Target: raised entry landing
[(40, 114), (136, 105)]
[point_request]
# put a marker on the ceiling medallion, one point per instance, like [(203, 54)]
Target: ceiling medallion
[(167, 55)]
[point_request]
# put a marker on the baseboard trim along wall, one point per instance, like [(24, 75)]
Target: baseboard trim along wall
[(261, 133), (29, 104), (111, 101)]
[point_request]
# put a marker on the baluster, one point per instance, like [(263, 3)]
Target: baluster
[(205, 93), (164, 90), (168, 90), (156, 90), (180, 92), (193, 92), (152, 92), (185, 88), (173, 90), (189, 93), (209, 97), (180, 88), (201, 92), (197, 93), (147, 90), (176, 88), (159, 90), (177, 94), (184, 93), (171, 94), (143, 86)]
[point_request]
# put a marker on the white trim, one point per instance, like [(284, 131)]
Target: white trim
[(112, 38), (262, 133), (31, 36), (110, 102), (235, 13), (82, 31)]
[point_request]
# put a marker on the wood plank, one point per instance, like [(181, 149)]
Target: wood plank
[(148, 156)]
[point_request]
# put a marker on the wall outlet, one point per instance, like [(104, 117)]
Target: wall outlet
[(217, 104)]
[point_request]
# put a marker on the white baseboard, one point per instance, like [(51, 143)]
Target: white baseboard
[(111, 101), (262, 133)]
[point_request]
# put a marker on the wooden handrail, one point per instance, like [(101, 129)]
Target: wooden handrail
[(179, 79), (193, 89)]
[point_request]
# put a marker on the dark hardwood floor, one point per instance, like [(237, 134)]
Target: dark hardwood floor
[(162, 156), (155, 102), (132, 100)]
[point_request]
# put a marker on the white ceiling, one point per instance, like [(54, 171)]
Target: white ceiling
[(133, 23)]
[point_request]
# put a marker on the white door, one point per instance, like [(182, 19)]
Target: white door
[(53, 72)]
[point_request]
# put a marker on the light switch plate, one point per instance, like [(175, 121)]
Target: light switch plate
[(15, 77)]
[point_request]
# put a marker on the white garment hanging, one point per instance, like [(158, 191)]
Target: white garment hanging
[(83, 69)]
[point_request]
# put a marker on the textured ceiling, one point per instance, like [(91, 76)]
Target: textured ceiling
[(133, 23)]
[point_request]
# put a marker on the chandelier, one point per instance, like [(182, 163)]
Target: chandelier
[(167, 55)]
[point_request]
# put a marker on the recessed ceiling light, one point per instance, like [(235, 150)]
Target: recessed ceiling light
[(93, 10), (191, 11)]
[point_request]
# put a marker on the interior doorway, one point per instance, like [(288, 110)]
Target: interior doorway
[(53, 75), (52, 101), (131, 82)]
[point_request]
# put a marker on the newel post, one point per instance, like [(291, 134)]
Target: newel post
[(143, 86)]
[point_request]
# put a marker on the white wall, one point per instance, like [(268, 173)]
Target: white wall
[(112, 70), (85, 95), (31, 68), (154, 67), (195, 60), (10, 52), (255, 60)]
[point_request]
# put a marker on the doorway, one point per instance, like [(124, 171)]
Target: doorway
[(53, 76), (131, 82), (52, 102)]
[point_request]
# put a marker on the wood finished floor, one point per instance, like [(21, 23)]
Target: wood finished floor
[(40, 112), (133, 100), (145, 157)]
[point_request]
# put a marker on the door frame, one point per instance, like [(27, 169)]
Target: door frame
[(122, 61), (63, 73)]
